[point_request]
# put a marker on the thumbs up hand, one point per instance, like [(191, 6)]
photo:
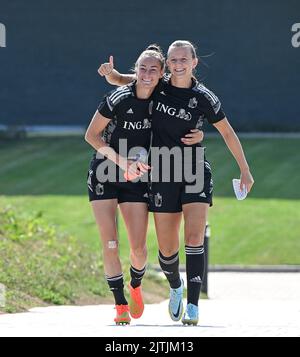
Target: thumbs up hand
[(106, 68)]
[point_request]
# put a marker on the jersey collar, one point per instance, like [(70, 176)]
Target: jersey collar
[(167, 79)]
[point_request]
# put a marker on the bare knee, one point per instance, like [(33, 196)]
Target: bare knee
[(194, 240), (139, 252), (169, 251)]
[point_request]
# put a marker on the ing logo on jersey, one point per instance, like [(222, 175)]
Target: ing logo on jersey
[(139, 125), (181, 113)]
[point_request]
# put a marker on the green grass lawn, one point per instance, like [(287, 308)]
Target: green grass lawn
[(48, 175), (39, 265)]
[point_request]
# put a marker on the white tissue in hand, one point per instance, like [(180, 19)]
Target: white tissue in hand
[(240, 194)]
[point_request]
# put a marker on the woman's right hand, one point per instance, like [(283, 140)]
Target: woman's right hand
[(246, 180), (106, 68), (195, 137)]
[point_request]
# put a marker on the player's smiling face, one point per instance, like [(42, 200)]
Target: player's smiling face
[(148, 72), (181, 62)]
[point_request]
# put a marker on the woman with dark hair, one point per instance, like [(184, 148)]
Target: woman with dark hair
[(123, 115)]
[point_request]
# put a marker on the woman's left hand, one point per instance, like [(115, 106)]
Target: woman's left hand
[(247, 180), (195, 137)]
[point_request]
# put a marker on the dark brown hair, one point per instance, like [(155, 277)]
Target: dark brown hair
[(154, 51)]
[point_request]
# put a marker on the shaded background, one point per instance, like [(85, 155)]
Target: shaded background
[(48, 71)]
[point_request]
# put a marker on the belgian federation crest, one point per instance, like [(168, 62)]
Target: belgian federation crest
[(184, 115), (193, 103)]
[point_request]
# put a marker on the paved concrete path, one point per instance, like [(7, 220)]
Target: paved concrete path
[(240, 304)]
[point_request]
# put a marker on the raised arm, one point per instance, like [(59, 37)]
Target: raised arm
[(112, 75), (234, 145)]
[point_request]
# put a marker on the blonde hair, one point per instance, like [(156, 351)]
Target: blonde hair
[(184, 43)]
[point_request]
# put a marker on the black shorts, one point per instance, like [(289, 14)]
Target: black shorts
[(169, 197), (122, 191)]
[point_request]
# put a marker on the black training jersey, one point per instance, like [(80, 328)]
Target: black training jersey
[(130, 119), (176, 111)]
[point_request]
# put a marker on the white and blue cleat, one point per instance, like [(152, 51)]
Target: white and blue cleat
[(176, 303), (191, 315)]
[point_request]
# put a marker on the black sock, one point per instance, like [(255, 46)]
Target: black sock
[(116, 285), (170, 267), (136, 276), (195, 266)]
